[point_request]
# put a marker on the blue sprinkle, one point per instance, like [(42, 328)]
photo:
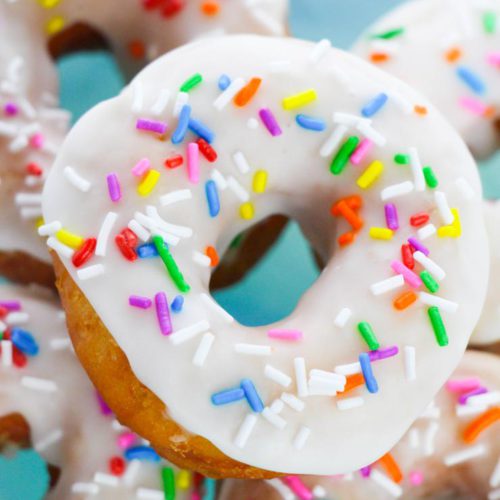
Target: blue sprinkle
[(472, 80), (209, 486), (177, 304), (311, 123), (182, 125), (201, 130), (212, 198), (147, 250), (144, 453), (24, 341), (228, 396), (374, 106), (366, 368), (252, 396), (224, 82)]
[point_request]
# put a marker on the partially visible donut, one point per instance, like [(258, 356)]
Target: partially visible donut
[(273, 127), (32, 125)]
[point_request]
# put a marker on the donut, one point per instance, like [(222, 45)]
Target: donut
[(32, 125), (48, 403), (456, 42), (299, 129), (431, 461)]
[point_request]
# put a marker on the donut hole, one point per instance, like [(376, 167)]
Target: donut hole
[(75, 38)]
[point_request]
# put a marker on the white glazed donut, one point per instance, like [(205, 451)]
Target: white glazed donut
[(449, 51), (278, 145), (69, 427), (431, 461), (32, 125)]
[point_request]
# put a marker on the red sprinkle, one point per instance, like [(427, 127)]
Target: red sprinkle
[(3, 312), (126, 250), (174, 161), (407, 256), (84, 254), (419, 219), (18, 358), (116, 466), (34, 169), (172, 7), (206, 150), (130, 237), (151, 4)]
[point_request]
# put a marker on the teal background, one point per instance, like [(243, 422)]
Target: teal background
[(272, 290)]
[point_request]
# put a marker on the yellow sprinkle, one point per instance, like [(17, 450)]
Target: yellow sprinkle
[(260, 181), (183, 479), (49, 4), (247, 210), (148, 183), (370, 175), (381, 233), (454, 230), (69, 239), (39, 222), (55, 25), (299, 100)]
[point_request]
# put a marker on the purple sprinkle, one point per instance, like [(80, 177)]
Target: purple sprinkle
[(270, 122), (366, 471), (141, 302), (418, 245), (105, 409), (465, 397), (10, 109), (114, 190), (11, 305), (151, 126), (379, 354), (163, 313), (391, 216)]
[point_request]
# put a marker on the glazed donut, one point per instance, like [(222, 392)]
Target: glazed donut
[(277, 138), (45, 390), (431, 461), (32, 125), (449, 51)]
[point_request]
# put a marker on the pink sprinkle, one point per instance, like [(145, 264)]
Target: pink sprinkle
[(126, 440), (463, 384), (361, 151), (285, 334), (151, 126), (416, 478), (36, 141), (410, 277), (269, 120), (141, 168), (298, 487), (10, 109), (193, 162), (114, 189), (475, 106), (163, 313), (141, 302), (195, 495), (494, 58)]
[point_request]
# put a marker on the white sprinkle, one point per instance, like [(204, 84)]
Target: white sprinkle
[(443, 207), (6, 346), (152, 225), (219, 179), (106, 479), (277, 376), (90, 272), (319, 492), (429, 438), (60, 344), (39, 384), (323, 387), (386, 483), (277, 406), (17, 318), (416, 168), (319, 50), (464, 455), (410, 364), (161, 102), (104, 232), (149, 494), (282, 489), (465, 188), (174, 229), (201, 259), (403, 104), (216, 308), (203, 349), (293, 401), (49, 440), (468, 410), (387, 285), (495, 476), (28, 213), (237, 189), (181, 100), (273, 418), (84, 488), (332, 143), (426, 232), (28, 199), (245, 430), (329, 376), (76, 180), (61, 249), (18, 144), (33, 180), (141, 232), (414, 437), (49, 229), (370, 133), (131, 473), (432, 411), (253, 124), (487, 399), (189, 332), (280, 66), (348, 119), (138, 98), (301, 437), (253, 349), (300, 376), (342, 317), (175, 197), (430, 265), (274, 26), (433, 300), (396, 190), (348, 369), (7, 129), (494, 495), (349, 403), (241, 162), (225, 97)]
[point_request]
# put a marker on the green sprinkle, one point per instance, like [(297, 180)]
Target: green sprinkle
[(368, 335), (430, 178), (438, 326), (389, 35), (431, 284), (167, 477), (340, 160), (170, 264), (401, 159), (236, 243), (490, 22), (191, 83)]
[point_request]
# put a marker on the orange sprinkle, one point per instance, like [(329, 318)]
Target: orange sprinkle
[(489, 112), (453, 55), (379, 57), (211, 252), (354, 202), (420, 110), (353, 381), (392, 467), (244, 96), (481, 423), (210, 7), (350, 216), (406, 299), (346, 238), (136, 49)]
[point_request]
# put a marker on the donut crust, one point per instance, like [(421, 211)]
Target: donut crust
[(21, 267), (134, 404)]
